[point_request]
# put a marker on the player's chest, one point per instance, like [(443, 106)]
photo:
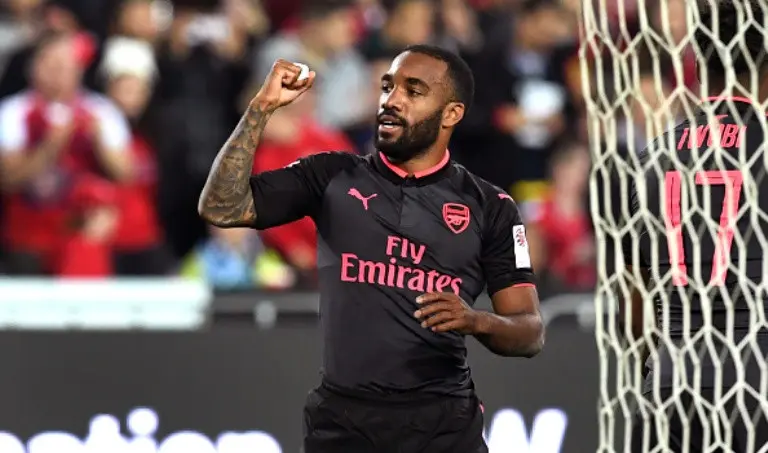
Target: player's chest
[(410, 223)]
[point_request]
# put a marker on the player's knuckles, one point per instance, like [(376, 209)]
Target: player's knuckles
[(421, 313), (284, 73), (278, 70), (445, 327), (283, 64), (450, 298), (431, 310), (288, 77), (438, 319), (289, 68), (444, 316), (453, 307)]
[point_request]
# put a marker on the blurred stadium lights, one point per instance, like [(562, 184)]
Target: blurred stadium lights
[(155, 304), (181, 304)]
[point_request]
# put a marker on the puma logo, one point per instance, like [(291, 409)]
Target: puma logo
[(504, 196), (356, 193)]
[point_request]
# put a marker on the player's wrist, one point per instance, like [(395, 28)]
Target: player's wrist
[(262, 105), (266, 101), (480, 323)]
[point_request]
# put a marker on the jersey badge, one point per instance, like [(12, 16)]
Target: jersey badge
[(456, 216)]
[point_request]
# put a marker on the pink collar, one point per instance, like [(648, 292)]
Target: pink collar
[(420, 174), (729, 98)]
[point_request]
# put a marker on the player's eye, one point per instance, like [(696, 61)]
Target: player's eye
[(386, 88), (414, 92)]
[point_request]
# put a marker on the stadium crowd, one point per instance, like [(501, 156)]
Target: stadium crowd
[(113, 110)]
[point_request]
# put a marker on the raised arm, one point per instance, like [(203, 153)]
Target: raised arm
[(227, 200)]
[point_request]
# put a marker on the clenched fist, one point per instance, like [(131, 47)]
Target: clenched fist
[(281, 87)]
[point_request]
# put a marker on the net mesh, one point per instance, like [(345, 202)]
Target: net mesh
[(638, 61)]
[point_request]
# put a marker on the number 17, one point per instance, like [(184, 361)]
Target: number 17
[(732, 179)]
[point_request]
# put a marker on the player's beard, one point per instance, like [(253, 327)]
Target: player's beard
[(413, 141)]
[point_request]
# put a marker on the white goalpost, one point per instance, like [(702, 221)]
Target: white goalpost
[(636, 64)]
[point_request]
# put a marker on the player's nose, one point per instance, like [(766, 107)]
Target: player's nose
[(392, 101)]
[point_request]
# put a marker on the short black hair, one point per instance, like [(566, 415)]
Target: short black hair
[(717, 30), (458, 70)]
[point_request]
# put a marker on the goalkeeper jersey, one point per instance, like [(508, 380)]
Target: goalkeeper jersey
[(700, 208)]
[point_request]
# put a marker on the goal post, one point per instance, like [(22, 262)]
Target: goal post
[(639, 79)]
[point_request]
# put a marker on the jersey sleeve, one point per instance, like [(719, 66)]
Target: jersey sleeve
[(505, 257), (295, 191)]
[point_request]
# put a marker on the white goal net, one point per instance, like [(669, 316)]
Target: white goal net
[(639, 79)]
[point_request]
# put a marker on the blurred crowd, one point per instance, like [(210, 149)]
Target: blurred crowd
[(113, 110)]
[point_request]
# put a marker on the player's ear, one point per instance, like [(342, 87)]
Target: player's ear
[(452, 114)]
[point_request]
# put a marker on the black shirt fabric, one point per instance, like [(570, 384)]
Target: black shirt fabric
[(703, 239), (384, 239)]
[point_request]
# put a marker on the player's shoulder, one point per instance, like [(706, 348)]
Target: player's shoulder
[(487, 195), (664, 144), (331, 161)]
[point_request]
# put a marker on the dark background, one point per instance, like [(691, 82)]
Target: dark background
[(246, 379)]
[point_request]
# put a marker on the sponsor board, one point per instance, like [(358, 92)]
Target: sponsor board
[(232, 390), (507, 434)]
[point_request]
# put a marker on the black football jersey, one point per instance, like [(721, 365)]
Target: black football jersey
[(698, 207), (384, 238)]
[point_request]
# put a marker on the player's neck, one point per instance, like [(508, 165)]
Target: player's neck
[(424, 161)]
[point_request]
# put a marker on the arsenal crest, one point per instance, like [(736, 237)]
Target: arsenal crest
[(456, 216)]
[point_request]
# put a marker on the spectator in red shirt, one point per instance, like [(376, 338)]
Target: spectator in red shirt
[(560, 233), (138, 246), (59, 148), (293, 133)]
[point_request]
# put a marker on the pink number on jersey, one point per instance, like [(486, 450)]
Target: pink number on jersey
[(674, 229), (732, 180)]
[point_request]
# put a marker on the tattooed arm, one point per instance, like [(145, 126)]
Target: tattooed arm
[(226, 200)]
